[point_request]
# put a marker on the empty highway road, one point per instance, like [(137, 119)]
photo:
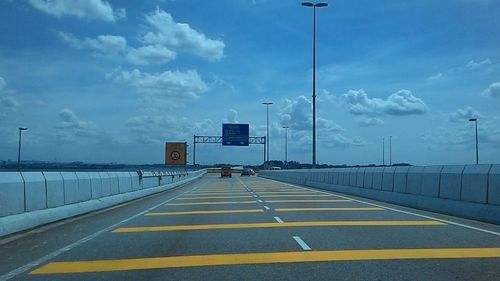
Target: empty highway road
[(249, 228)]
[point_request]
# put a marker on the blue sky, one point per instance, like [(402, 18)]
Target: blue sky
[(111, 81)]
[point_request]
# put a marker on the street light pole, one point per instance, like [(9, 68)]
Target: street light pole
[(314, 6), (390, 150), (267, 104), (477, 148), (19, 147), (383, 151), (286, 144)]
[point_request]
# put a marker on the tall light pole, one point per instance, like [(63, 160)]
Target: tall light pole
[(477, 149), (390, 150), (286, 144), (383, 151), (314, 6), (267, 104), (19, 147)]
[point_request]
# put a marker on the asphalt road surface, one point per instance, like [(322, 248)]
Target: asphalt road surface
[(249, 228)]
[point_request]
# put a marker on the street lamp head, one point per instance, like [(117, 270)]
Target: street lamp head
[(321, 4), (307, 4), (473, 119), (23, 128), (285, 127), (267, 103)]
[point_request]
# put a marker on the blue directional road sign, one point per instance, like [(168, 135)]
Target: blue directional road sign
[(235, 134)]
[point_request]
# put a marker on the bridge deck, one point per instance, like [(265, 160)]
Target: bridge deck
[(248, 228)]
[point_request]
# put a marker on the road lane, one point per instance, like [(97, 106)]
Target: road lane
[(286, 232)]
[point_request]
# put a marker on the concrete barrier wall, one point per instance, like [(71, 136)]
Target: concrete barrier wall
[(35, 191), (11, 193), (451, 182), (471, 191), (84, 186), (400, 179), (70, 182), (494, 185), (55, 189), (431, 179), (30, 199), (95, 185), (475, 183)]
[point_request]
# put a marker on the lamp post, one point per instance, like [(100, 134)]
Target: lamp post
[(267, 104), (477, 149), (390, 150), (314, 6), (286, 144), (383, 151), (19, 147)]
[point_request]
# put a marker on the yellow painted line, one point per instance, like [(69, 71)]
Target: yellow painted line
[(308, 201), (299, 195), (274, 225), (288, 192), (205, 212), (327, 209), (265, 258), (215, 197), (210, 203), (218, 193)]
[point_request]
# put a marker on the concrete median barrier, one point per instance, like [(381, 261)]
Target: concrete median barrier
[(414, 181), (475, 183), (35, 191), (52, 196), (466, 191), (11, 194), (378, 174), (55, 189), (360, 177), (368, 178), (84, 186), (431, 178), (95, 185), (70, 181), (494, 185), (400, 179), (388, 178), (451, 182), (114, 183)]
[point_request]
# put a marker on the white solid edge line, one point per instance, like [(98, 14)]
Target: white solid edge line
[(301, 243), (278, 219), (56, 253), (404, 212)]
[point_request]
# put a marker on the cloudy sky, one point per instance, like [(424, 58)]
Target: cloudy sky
[(112, 80)]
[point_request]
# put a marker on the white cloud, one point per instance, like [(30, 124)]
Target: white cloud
[(88, 9), (463, 115), (180, 37), (6, 99), (473, 64), (232, 117), (165, 85), (369, 122), (103, 44), (436, 76), (152, 54), (401, 103), (493, 91), (72, 129)]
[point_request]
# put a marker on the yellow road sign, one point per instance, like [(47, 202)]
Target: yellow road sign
[(175, 153)]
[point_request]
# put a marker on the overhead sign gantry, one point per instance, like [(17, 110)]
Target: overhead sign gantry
[(232, 135)]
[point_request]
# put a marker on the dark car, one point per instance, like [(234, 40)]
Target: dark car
[(225, 172), (247, 172)]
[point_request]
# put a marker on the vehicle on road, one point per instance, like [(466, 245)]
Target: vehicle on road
[(247, 172), (225, 172)]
